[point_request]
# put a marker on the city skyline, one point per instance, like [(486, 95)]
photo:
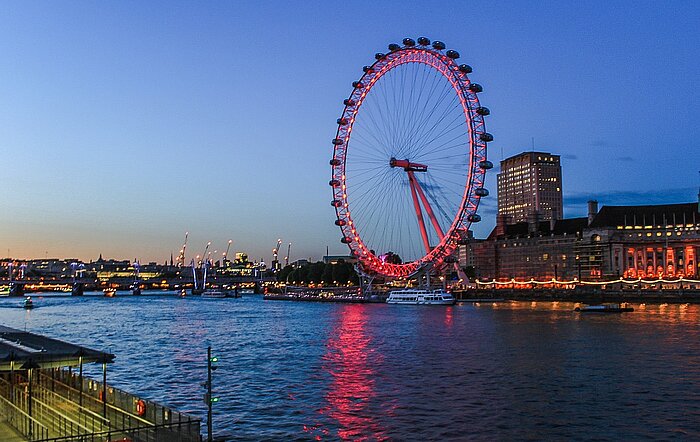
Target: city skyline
[(127, 125)]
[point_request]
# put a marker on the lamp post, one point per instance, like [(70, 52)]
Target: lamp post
[(208, 399)]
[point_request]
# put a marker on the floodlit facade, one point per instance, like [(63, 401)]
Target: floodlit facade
[(649, 242), (529, 188)]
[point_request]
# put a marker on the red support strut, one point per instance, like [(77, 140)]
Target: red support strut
[(428, 209), (419, 214)]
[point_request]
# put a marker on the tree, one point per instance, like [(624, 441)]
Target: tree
[(284, 273), (328, 273), (315, 271), (341, 272), (319, 272)]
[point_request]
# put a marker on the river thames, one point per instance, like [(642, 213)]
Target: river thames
[(305, 371)]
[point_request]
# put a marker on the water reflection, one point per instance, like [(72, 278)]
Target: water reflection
[(349, 361), (503, 371), (448, 316)]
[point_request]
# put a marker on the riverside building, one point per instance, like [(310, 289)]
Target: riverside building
[(532, 239), (649, 242), (529, 187)]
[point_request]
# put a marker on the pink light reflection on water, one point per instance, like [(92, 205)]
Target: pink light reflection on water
[(350, 361), (448, 316)]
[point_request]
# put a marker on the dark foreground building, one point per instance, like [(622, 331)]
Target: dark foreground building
[(617, 241)]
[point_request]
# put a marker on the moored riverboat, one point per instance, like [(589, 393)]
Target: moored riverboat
[(220, 293), (604, 308), (420, 297)]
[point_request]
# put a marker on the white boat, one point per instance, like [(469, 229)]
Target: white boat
[(212, 293), (604, 308), (420, 297), (220, 293)]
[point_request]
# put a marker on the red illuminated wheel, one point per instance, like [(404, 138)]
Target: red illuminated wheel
[(409, 159)]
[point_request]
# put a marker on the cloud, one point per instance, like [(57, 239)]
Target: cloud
[(575, 203), (626, 159), (488, 204)]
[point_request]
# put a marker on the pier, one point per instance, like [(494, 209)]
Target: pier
[(45, 397)]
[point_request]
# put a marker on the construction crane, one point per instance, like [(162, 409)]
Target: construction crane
[(286, 258), (181, 256), (275, 254), (204, 255), (230, 241)]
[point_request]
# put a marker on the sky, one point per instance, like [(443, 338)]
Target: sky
[(125, 124)]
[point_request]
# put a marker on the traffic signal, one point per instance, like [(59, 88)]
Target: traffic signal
[(212, 361)]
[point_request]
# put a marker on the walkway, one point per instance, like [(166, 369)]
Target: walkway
[(9, 434)]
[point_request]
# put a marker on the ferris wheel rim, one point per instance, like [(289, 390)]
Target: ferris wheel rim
[(466, 91)]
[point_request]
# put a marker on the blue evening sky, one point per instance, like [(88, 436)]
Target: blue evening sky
[(125, 124)]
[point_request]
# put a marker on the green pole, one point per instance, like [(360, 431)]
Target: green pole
[(81, 381), (104, 389), (209, 408)]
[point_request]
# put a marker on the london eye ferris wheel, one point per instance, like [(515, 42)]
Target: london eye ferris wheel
[(409, 159)]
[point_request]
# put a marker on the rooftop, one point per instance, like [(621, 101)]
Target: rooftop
[(612, 216), (662, 214), (29, 350)]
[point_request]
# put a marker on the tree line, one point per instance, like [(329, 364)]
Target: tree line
[(319, 273)]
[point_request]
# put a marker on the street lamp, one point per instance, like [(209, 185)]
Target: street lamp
[(208, 398)]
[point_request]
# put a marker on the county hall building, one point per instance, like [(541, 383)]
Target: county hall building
[(532, 240)]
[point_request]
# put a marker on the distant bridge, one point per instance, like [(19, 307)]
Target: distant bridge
[(17, 287)]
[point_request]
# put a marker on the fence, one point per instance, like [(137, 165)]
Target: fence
[(29, 427), (60, 411)]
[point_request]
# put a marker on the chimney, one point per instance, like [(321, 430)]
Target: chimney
[(533, 222), (592, 211), (501, 221)]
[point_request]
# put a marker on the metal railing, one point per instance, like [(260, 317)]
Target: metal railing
[(121, 408), (121, 400), (152, 433), (119, 417), (22, 422), (85, 417), (59, 415), (60, 412)]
